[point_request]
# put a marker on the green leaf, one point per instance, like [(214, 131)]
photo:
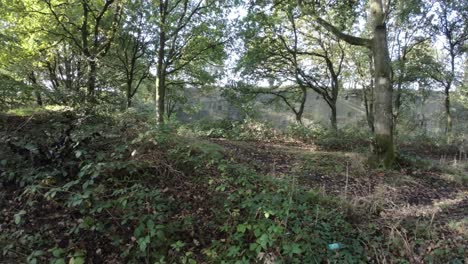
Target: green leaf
[(18, 216), (143, 242), (77, 260), (57, 252), (233, 251), (59, 261), (296, 249), (241, 228)]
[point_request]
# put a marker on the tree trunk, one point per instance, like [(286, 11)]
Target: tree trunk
[(302, 106), (333, 119), (383, 123), (161, 69), (37, 93), (369, 104), (369, 97), (161, 86), (448, 114), (129, 92), (396, 110), (92, 78), (69, 74), (401, 76), (448, 125)]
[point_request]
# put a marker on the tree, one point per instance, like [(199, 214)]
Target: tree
[(383, 91), (271, 54), (190, 45), (133, 48), (409, 25), (280, 47), (89, 27), (14, 93), (362, 69), (70, 38), (453, 32)]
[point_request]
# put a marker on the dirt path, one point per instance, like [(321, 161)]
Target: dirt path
[(394, 195)]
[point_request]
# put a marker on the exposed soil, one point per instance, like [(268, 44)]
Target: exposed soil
[(407, 193)]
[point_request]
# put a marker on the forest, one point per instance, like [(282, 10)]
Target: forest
[(233, 131)]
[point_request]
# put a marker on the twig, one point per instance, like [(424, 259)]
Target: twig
[(24, 123), (347, 176)]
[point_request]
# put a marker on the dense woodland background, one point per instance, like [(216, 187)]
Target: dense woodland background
[(240, 131)]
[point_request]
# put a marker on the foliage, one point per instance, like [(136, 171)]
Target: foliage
[(307, 134), (280, 222), (88, 175), (84, 188), (248, 129), (349, 138), (14, 94), (127, 196)]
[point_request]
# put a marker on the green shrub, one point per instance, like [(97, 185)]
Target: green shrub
[(248, 129), (307, 133)]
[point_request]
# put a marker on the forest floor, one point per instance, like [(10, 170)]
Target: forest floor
[(406, 192), (429, 199), (58, 170)]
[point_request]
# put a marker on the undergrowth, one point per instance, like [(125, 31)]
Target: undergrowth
[(83, 188), (90, 189)]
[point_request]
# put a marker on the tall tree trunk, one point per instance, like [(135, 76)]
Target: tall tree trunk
[(92, 78), (369, 105), (396, 110), (448, 115), (129, 93), (302, 105), (399, 90), (68, 74), (383, 123), (161, 86), (334, 98), (32, 78), (448, 125), (161, 69), (369, 97), (333, 119)]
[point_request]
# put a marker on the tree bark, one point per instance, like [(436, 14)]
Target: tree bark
[(32, 78), (448, 114), (92, 78), (161, 69), (448, 126), (302, 105), (333, 119), (383, 123), (369, 97), (129, 93), (369, 105), (161, 82)]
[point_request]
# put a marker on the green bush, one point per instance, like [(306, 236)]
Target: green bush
[(307, 134), (248, 129)]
